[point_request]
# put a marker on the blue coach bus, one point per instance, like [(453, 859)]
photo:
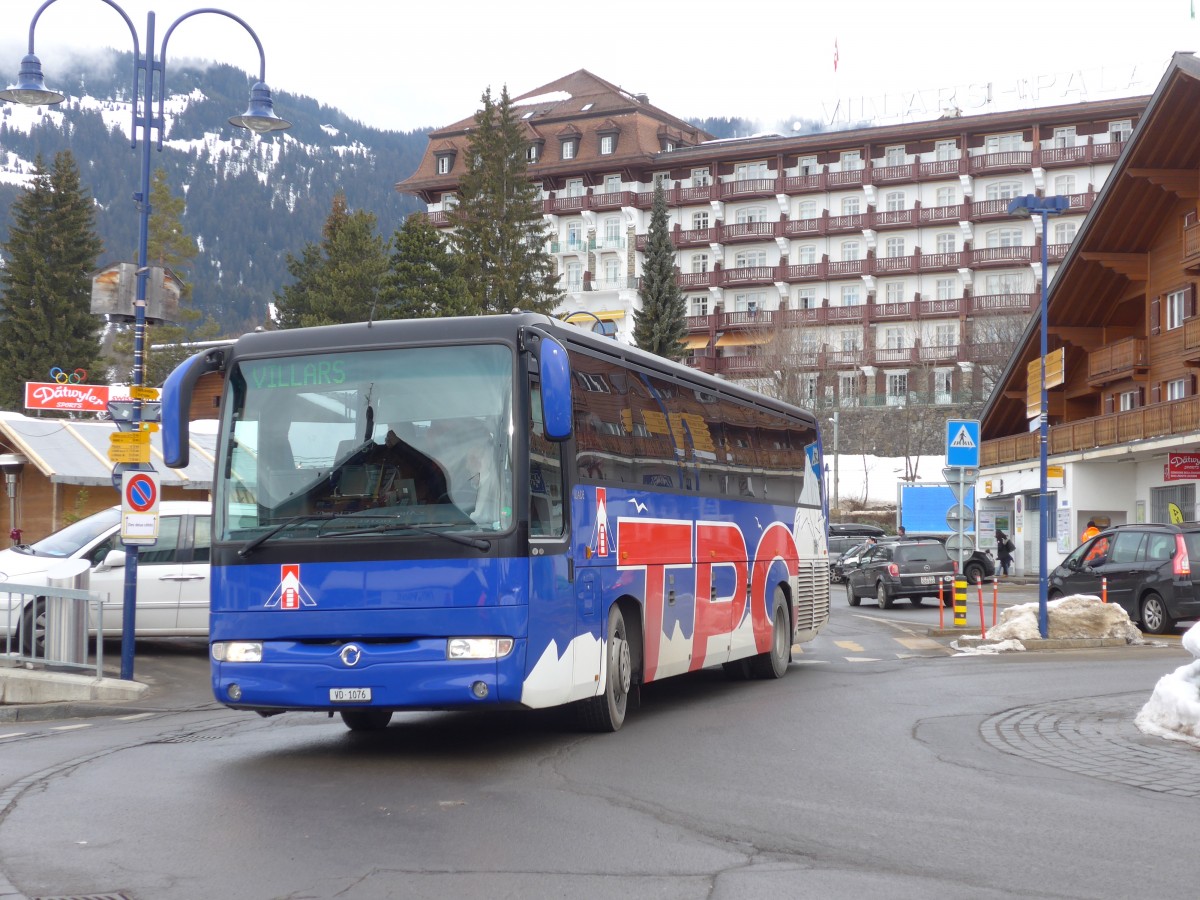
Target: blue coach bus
[(495, 511)]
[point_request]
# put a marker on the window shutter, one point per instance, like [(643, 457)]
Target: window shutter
[(1141, 397), (1156, 392), (1155, 315), (1108, 404), (1189, 301), (1190, 386)]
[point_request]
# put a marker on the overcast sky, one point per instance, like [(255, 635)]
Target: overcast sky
[(406, 65)]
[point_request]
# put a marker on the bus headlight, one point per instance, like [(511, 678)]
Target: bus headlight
[(237, 651), (478, 648)]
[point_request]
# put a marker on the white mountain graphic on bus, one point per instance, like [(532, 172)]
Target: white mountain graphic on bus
[(290, 594)]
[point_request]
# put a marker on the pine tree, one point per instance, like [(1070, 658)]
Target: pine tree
[(341, 280), (424, 280), (662, 322), (498, 228), (46, 282)]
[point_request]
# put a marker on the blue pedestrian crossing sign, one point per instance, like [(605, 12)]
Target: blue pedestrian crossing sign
[(962, 443)]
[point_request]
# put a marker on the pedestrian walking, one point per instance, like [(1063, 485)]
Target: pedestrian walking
[(1004, 551)]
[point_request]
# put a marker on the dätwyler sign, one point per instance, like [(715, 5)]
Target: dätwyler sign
[(1182, 467)]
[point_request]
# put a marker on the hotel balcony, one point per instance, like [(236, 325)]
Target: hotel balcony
[(990, 257), (1118, 361), (1011, 161)]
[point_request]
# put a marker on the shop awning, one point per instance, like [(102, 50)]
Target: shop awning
[(604, 315), (742, 339), (695, 341)]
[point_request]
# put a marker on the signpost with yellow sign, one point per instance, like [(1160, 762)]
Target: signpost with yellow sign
[(1055, 377), (129, 446)]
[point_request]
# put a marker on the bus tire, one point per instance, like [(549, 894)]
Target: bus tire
[(774, 663), (366, 719), (31, 630), (606, 712)]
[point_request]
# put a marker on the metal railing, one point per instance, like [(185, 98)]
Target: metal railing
[(46, 625)]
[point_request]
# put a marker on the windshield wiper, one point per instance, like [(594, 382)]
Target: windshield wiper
[(476, 543), (286, 523)]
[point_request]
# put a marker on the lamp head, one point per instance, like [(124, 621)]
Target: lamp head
[(30, 88), (260, 116)]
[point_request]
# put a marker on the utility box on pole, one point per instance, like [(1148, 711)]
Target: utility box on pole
[(114, 291)]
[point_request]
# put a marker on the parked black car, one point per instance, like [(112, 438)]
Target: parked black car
[(1149, 572), (977, 566), (907, 568), (837, 567), (844, 537)]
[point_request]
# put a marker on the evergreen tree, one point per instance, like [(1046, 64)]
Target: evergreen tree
[(424, 280), (498, 228), (662, 322), (341, 280), (46, 282)]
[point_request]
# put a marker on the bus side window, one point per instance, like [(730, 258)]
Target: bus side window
[(545, 479)]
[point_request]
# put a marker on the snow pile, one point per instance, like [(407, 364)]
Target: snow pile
[(1076, 617), (1173, 710)]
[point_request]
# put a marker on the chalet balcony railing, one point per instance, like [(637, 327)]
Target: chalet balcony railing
[(941, 260), (610, 199), (1116, 429), (1191, 338), (893, 218), (438, 219), (885, 174), (933, 215), (560, 205), (1056, 252), (949, 306), (699, 194), (846, 267), (1002, 256), (895, 265), (1105, 152), (941, 167), (1117, 360), (989, 209), (1006, 303), (691, 238), (746, 231), (804, 227), (1191, 246), (748, 187), (854, 222), (1062, 156), (607, 243), (847, 178), (798, 184), (748, 275), (885, 311), (999, 162)]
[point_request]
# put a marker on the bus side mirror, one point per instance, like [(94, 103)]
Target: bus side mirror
[(554, 369), (177, 403)]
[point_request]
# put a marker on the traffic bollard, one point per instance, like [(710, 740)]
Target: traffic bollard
[(995, 598), (960, 601), (1104, 589), (982, 623)]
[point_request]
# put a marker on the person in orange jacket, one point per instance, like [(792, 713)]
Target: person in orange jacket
[(1090, 532)]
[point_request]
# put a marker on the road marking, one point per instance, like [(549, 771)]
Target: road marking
[(854, 659), (134, 717), (849, 645), (71, 727), (918, 643), (15, 734)]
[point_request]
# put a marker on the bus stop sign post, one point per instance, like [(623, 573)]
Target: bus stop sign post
[(962, 466)]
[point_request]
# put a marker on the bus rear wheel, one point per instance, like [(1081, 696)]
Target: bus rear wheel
[(607, 712), (774, 663), (366, 719)]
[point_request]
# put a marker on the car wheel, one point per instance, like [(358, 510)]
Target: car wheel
[(881, 594), (1054, 595), (607, 711), (916, 601), (974, 572), (1155, 619), (852, 598), (31, 631), (774, 663), (366, 719)]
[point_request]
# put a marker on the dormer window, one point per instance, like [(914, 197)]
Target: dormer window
[(608, 144), (534, 151), (445, 162), (570, 147)]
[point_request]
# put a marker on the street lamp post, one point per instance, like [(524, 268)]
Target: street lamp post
[(1024, 207), (259, 117)]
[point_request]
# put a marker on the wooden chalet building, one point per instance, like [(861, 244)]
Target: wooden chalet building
[(1124, 427)]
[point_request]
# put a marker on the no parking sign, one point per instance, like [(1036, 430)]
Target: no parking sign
[(139, 507)]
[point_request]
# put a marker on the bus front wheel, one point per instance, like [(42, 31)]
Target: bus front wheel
[(774, 663), (366, 719), (607, 711)]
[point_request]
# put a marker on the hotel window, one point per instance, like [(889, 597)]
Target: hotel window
[(445, 162), (751, 214), (850, 295), (612, 231), (699, 263), (848, 388), (1064, 185), (568, 148), (806, 298), (945, 288), (893, 247), (1006, 283), (699, 221), (893, 338), (1177, 389), (1120, 130), (1003, 143), (806, 255), (1005, 190), (574, 187), (751, 302), (1064, 232), (894, 201), (946, 196), (810, 344), (1004, 237), (807, 165), (808, 388), (893, 292), (612, 184), (532, 152), (1063, 137), (748, 259), (574, 275), (749, 171), (851, 206), (701, 178), (1176, 309), (612, 271), (897, 388), (894, 156), (608, 144), (699, 306), (449, 201), (851, 250), (947, 242), (943, 386), (945, 150), (851, 340), (806, 209), (662, 179), (944, 336), (1129, 400), (574, 234), (851, 160)]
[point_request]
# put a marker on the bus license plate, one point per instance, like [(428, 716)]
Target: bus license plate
[(349, 695), (927, 579)]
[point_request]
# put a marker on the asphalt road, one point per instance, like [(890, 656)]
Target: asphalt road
[(882, 765)]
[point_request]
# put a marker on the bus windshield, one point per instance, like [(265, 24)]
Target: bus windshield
[(390, 442)]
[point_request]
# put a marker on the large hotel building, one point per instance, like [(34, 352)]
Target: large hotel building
[(874, 266)]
